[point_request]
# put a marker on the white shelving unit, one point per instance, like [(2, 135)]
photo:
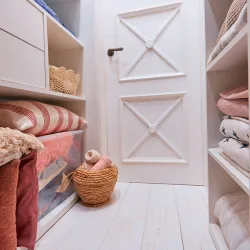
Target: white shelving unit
[(61, 48), (24, 64), (229, 69)]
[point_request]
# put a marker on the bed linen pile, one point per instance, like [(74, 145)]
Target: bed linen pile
[(235, 21), (235, 127), (61, 156), (53, 136), (232, 211), (18, 189)]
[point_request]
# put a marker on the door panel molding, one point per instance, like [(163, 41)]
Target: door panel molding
[(150, 44), (152, 128), (150, 10)]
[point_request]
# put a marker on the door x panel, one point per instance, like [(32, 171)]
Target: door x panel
[(152, 43), (152, 128)]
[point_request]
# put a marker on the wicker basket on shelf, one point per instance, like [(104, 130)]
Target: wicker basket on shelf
[(63, 80), (95, 188)]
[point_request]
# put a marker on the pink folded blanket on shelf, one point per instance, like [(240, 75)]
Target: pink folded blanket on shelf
[(234, 107), (234, 102), (239, 92)]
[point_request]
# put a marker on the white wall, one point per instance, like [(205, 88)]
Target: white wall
[(91, 31), (87, 36)]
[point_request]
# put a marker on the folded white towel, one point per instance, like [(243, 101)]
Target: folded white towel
[(230, 34), (238, 151), (237, 128), (232, 210)]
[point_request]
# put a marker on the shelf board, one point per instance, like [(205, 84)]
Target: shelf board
[(10, 89), (218, 237), (235, 174), (59, 38), (234, 55)]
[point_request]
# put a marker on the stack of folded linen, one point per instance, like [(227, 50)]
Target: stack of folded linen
[(235, 127), (235, 20), (232, 211), (60, 131), (61, 156), (18, 189)]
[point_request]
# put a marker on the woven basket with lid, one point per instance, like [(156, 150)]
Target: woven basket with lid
[(63, 80), (95, 188)]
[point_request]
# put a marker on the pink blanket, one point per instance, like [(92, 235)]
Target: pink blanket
[(239, 92), (234, 107), (234, 102)]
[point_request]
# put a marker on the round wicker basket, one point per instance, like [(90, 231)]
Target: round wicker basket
[(95, 188), (63, 80)]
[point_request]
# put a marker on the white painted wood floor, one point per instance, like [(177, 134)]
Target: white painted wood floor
[(140, 217)]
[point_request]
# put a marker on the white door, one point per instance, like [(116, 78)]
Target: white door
[(153, 90)]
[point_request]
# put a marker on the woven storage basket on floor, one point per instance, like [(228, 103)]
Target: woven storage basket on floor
[(63, 80), (95, 188)]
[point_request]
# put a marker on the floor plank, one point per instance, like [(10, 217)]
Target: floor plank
[(63, 229), (140, 217), (193, 215), (204, 195), (162, 229), (135, 202), (83, 228), (124, 234)]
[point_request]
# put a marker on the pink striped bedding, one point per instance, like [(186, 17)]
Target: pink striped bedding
[(38, 118)]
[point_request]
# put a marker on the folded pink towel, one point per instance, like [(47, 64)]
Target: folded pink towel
[(104, 162), (239, 92), (237, 107)]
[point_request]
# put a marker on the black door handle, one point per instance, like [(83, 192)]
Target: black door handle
[(111, 52)]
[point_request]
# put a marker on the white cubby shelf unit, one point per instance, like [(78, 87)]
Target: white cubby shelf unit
[(24, 72), (229, 69), (31, 40)]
